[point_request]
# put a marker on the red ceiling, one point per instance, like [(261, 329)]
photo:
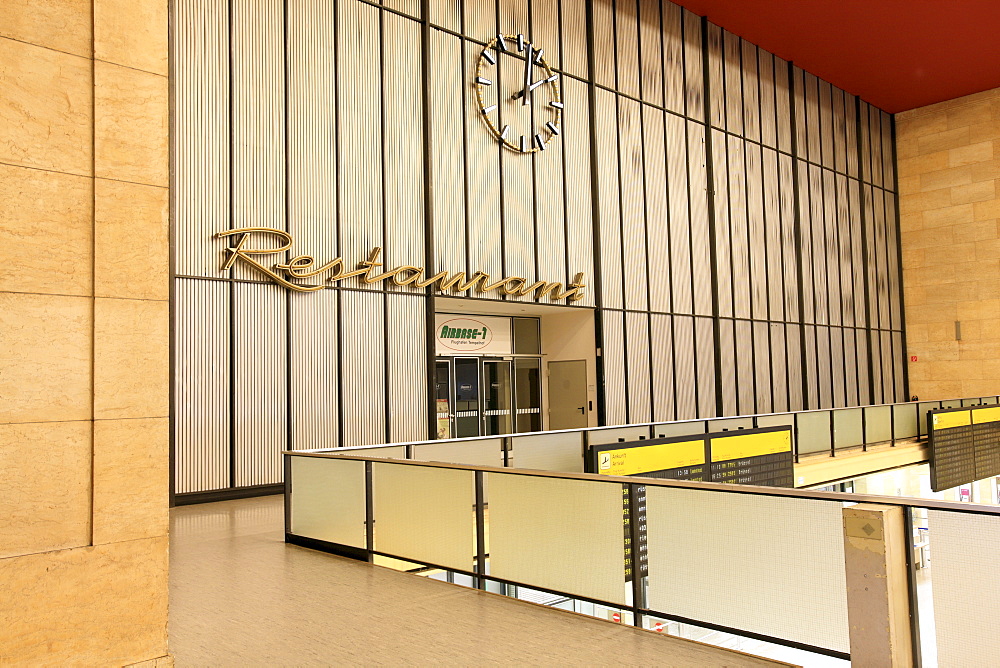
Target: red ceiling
[(896, 54)]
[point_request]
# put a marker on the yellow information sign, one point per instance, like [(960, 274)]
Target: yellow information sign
[(951, 420), (648, 458), (742, 446), (982, 415)]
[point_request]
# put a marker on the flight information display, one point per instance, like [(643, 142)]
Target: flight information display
[(761, 458), (965, 445)]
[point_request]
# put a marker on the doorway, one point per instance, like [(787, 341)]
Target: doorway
[(568, 403), (487, 396)]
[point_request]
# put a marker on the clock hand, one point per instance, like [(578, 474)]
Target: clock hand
[(533, 86), (527, 76)]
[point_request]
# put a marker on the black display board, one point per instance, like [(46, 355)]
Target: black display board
[(964, 445), (640, 548)]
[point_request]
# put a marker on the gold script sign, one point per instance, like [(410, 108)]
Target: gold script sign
[(304, 266)]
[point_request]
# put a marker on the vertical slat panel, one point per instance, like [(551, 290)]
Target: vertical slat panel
[(574, 37), (888, 176), (872, 257), (518, 186), (818, 234), (604, 43), (482, 164), (795, 367), (799, 109), (201, 385), (662, 344), (864, 378), (315, 369), (627, 42), (812, 374), (768, 124), (684, 370), (258, 108), (814, 148), (762, 370), (403, 149), (875, 130), (744, 368), (723, 245), (360, 111), (200, 138), (363, 367), (637, 333), (716, 77), (782, 103), (751, 93), (738, 232), (875, 346), (779, 369), (701, 263), (837, 364), (899, 360), (545, 30), (831, 228), (851, 365), (706, 367), (757, 239), (680, 235), (826, 123), (888, 380), (790, 256), (857, 250), (579, 207), (851, 130), (651, 51), (866, 145), (845, 257), (727, 366), (732, 52), (550, 215), (892, 256), (448, 175), (408, 7), (693, 81), (633, 230), (613, 354), (446, 13), (805, 216), (673, 58), (773, 241), (881, 253), (312, 123), (607, 175), (480, 19), (260, 399), (824, 367), (657, 212), (407, 368), (839, 132)]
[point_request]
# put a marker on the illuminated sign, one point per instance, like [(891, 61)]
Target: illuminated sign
[(304, 266), (456, 334)]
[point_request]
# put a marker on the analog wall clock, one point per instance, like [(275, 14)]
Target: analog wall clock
[(518, 94)]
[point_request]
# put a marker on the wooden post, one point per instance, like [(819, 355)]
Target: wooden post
[(878, 603)]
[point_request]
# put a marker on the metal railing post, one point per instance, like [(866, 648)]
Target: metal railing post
[(480, 568), (369, 513)]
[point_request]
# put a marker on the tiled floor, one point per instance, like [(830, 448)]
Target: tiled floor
[(240, 596)]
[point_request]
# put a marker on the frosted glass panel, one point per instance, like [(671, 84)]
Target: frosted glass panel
[(382, 452), (560, 451), (328, 500), (691, 428), (764, 564), (848, 429), (604, 436), (905, 420), (564, 535), (964, 564), (878, 424), (814, 432), (487, 452), (425, 514)]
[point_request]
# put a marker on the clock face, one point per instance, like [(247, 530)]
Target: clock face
[(518, 94)]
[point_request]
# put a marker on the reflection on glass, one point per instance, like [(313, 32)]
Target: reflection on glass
[(466, 397), (528, 393), (496, 397), (442, 395)]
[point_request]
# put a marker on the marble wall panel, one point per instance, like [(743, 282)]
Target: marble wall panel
[(131, 33), (63, 25), (132, 248), (131, 358)]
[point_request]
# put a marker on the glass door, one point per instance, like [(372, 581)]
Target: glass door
[(467, 404), (444, 402), (497, 395)]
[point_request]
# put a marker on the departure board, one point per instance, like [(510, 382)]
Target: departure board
[(752, 457), (965, 445), (761, 457), (953, 449), (640, 549)]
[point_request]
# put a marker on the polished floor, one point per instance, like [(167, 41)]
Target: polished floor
[(239, 596)]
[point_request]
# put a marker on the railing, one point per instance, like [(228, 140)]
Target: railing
[(760, 563), (829, 431)]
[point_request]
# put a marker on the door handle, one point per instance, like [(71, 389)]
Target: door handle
[(582, 409)]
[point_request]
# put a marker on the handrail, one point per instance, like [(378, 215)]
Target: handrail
[(845, 497)]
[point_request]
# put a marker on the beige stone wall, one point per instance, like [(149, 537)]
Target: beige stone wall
[(84, 366), (949, 166)]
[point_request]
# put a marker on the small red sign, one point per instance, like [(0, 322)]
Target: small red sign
[(913, 358), (616, 617), (659, 627)]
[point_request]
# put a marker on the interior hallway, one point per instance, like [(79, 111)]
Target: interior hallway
[(240, 596)]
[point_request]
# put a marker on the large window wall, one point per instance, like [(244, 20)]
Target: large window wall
[(734, 217)]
